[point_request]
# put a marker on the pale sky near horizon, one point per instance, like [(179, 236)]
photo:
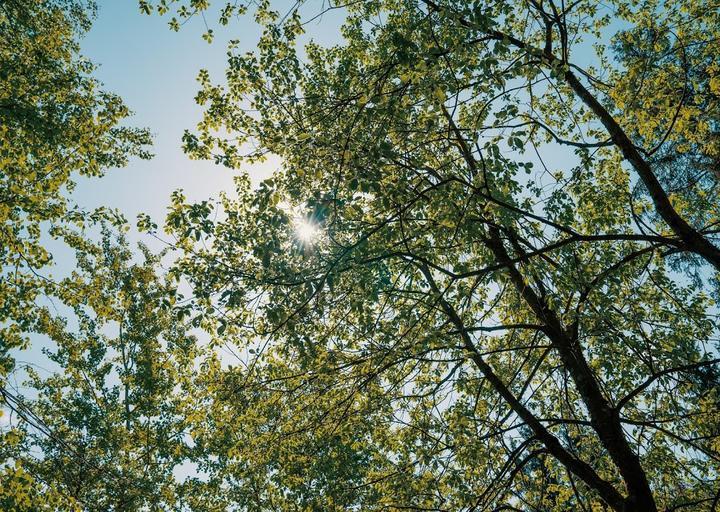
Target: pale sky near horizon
[(153, 69)]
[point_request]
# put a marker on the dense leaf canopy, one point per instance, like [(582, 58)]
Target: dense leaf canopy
[(509, 301), (56, 123), (484, 277)]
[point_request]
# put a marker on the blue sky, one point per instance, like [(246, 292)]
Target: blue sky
[(153, 69)]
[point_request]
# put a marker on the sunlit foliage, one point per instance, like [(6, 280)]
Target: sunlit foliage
[(484, 276), (510, 306), (56, 124)]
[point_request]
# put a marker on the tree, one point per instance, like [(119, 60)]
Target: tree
[(506, 303), (56, 123), (106, 431)]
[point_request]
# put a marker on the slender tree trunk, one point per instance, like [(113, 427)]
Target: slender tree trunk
[(574, 465), (605, 420)]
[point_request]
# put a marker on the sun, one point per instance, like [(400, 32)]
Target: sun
[(306, 230)]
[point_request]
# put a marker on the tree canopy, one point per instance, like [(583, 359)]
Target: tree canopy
[(484, 276), (56, 123)]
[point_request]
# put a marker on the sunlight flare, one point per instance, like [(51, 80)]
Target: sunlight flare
[(306, 230)]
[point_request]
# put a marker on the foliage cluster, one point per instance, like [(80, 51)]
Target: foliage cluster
[(508, 300)]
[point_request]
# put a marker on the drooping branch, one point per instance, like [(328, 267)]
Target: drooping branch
[(655, 376)]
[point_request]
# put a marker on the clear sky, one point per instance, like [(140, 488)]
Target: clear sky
[(154, 69)]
